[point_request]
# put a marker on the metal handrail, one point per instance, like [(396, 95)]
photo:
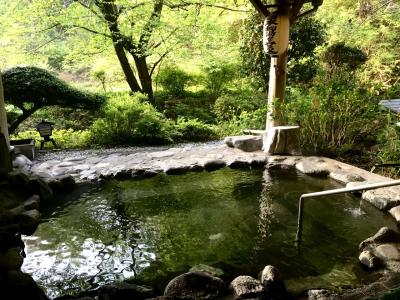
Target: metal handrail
[(365, 187)]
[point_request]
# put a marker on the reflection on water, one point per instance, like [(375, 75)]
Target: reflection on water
[(238, 221)]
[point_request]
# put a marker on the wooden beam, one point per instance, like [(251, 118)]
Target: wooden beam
[(260, 7)]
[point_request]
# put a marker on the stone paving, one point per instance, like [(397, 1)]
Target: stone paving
[(130, 162)]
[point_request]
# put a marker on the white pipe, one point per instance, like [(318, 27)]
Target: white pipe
[(364, 187)]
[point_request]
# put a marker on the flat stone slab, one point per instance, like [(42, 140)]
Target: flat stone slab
[(124, 163)]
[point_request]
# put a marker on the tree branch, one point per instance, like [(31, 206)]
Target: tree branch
[(157, 62), (90, 9), (151, 24), (87, 29), (185, 4)]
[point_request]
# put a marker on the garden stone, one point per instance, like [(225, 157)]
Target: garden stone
[(387, 252), (123, 174), (247, 143), (32, 203), (383, 198), (18, 178), (274, 286), (196, 168), (21, 162), (61, 183), (124, 291), (369, 260), (11, 259), (28, 221), (214, 164), (258, 163), (38, 186), (246, 287), (238, 164), (176, 170), (313, 168), (10, 237), (384, 235), (195, 285), (345, 177), (18, 285), (395, 212)]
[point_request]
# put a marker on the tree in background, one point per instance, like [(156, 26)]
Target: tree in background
[(306, 35), (31, 88)]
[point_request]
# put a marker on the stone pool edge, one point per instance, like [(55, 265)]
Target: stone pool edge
[(175, 162)]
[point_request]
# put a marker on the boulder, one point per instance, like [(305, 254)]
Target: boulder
[(32, 203), (124, 291), (214, 164), (274, 286), (247, 143), (395, 212), (384, 235), (313, 168), (38, 186), (369, 260), (238, 164), (18, 285), (62, 183), (195, 285), (11, 259), (246, 287), (176, 170), (209, 269)]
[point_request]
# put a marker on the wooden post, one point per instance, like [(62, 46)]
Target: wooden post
[(5, 159), (276, 90)]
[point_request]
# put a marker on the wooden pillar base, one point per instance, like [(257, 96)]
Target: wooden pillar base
[(282, 140)]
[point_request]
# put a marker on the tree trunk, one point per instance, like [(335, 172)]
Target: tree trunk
[(25, 115), (126, 68), (110, 13), (144, 76)]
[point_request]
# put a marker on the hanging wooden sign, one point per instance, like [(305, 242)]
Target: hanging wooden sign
[(276, 34)]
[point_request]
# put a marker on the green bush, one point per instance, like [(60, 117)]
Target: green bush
[(131, 120), (246, 120), (64, 138), (217, 77), (229, 105), (334, 114), (194, 130), (173, 80)]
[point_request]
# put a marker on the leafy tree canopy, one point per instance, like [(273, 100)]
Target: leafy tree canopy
[(31, 88)]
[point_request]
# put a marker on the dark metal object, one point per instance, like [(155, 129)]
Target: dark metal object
[(45, 129)]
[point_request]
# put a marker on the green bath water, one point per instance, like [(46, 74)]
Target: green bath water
[(236, 221)]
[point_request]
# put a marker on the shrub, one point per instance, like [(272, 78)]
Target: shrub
[(173, 80), (229, 105), (246, 120), (194, 130), (130, 120), (64, 138), (334, 114), (218, 75)]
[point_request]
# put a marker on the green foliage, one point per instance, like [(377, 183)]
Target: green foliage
[(173, 80), (229, 105), (194, 130), (27, 86), (389, 142), (65, 138), (129, 120), (305, 35), (334, 114), (246, 120), (217, 76), (339, 55)]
